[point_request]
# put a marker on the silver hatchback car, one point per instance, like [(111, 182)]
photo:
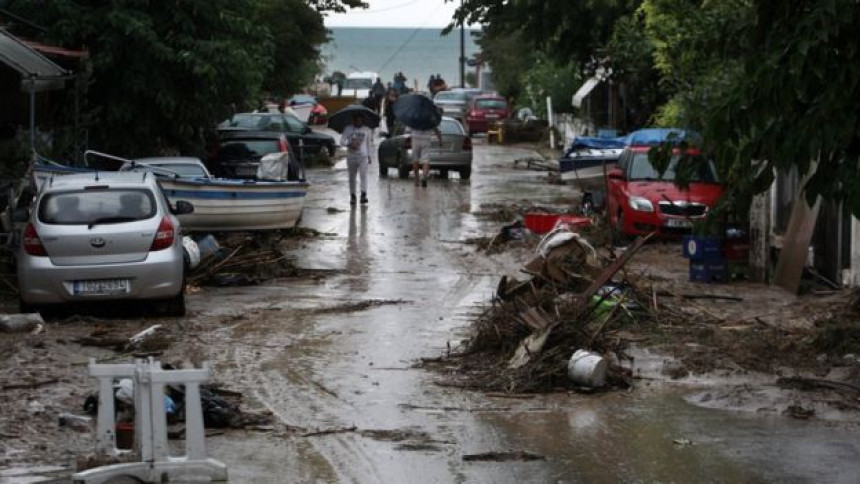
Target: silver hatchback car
[(101, 236)]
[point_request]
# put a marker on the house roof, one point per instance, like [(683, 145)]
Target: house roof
[(27, 61)]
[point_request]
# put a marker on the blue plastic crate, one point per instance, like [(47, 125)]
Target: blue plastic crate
[(702, 248), (713, 270)]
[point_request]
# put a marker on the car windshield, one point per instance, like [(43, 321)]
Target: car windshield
[(246, 121), (358, 83), (85, 207), (449, 126), (491, 104), (184, 170), (642, 169), (450, 96), (248, 148), (294, 124)]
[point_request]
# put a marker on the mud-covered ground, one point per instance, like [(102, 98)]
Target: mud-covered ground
[(328, 355)]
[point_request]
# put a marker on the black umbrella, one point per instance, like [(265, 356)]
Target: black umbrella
[(417, 112), (343, 118)]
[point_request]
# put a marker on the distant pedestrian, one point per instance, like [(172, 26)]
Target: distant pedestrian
[(388, 110), (422, 141), (358, 140), (377, 90), (431, 83)]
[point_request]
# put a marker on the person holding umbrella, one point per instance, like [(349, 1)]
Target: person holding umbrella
[(358, 140), (422, 117)]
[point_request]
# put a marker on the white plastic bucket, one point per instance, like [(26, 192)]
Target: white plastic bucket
[(587, 369)]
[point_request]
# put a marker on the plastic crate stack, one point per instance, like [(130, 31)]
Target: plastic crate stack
[(716, 260)]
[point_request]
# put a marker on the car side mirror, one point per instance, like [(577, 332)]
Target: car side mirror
[(307, 129), (384, 135), (616, 174), (182, 208), (20, 215)]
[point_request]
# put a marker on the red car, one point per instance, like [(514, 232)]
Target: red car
[(641, 202), (483, 110)]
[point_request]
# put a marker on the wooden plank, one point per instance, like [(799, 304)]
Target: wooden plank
[(792, 258)]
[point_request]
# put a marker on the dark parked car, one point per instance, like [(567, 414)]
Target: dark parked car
[(239, 152), (454, 154), (305, 141)]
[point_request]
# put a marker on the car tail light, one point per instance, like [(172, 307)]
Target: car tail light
[(467, 143), (32, 242), (163, 236)]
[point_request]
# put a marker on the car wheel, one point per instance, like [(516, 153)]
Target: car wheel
[(443, 174), (466, 172), (383, 171), (175, 306)]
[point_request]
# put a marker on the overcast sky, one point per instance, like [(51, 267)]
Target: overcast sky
[(397, 13)]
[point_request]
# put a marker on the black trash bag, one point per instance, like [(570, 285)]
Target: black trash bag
[(218, 412)]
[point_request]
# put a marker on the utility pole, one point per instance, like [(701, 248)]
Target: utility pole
[(462, 49)]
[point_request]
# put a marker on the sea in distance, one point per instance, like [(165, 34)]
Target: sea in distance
[(417, 53)]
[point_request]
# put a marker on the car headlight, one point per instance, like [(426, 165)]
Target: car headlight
[(641, 204)]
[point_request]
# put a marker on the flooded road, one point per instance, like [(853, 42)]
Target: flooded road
[(332, 358)]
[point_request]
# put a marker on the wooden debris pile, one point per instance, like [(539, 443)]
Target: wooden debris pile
[(524, 339), (243, 259)]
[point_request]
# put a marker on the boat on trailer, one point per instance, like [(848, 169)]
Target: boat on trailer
[(220, 204)]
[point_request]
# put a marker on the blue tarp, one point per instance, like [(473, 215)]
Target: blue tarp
[(650, 136)]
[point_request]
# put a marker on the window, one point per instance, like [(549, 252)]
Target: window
[(450, 96), (294, 124), (184, 170), (83, 207), (451, 127), (491, 104), (642, 169), (358, 83), (247, 121)]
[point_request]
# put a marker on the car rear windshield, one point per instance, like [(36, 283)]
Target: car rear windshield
[(642, 169), (491, 104), (247, 121), (450, 127), (248, 148), (358, 83), (184, 170), (450, 96), (103, 205)]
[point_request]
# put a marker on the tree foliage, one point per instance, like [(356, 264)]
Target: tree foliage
[(160, 72)]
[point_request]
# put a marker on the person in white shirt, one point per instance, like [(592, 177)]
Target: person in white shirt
[(421, 143), (358, 140)]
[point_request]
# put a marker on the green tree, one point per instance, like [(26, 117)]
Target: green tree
[(161, 70), (296, 31)]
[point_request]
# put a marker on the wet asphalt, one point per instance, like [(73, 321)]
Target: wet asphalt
[(332, 358)]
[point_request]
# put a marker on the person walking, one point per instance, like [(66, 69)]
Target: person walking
[(388, 111), (422, 140), (358, 140)]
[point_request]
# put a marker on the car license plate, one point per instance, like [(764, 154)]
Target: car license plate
[(102, 287), (679, 223), (246, 171), (492, 116)]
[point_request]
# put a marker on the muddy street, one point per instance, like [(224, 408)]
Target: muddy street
[(332, 356)]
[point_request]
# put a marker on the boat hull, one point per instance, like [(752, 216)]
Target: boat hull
[(578, 166), (234, 205)]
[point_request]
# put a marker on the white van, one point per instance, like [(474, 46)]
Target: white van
[(358, 84)]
